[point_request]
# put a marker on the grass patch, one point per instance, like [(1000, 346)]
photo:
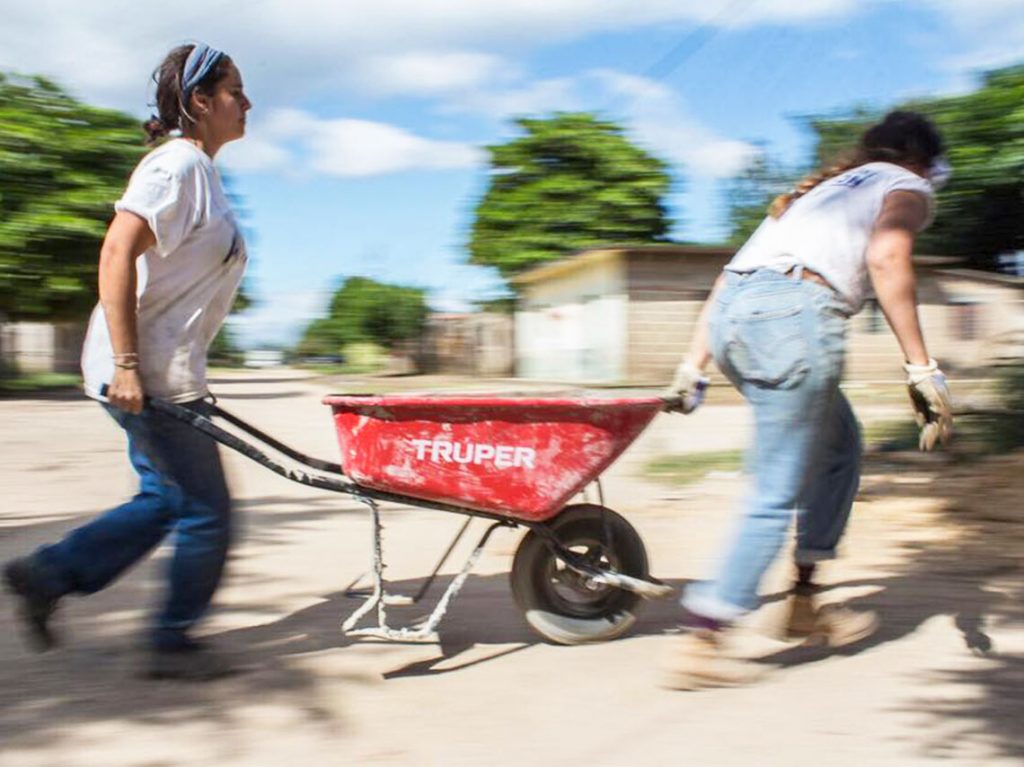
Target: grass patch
[(991, 430), (692, 467), (892, 436), (973, 435), (361, 358), (23, 383)]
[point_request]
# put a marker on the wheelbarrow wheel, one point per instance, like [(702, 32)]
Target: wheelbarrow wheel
[(560, 604)]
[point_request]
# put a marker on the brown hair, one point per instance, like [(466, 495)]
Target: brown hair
[(172, 111), (901, 138)]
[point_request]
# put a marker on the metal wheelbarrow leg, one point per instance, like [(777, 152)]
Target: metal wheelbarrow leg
[(379, 598)]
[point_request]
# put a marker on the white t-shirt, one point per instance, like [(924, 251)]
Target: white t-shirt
[(827, 230), (186, 282)]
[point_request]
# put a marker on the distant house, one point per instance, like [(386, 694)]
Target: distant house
[(263, 358), (41, 347), (470, 343), (626, 315)]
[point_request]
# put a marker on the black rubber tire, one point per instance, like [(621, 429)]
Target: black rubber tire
[(556, 602)]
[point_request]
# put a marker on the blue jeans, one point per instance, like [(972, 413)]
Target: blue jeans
[(781, 342), (181, 490)]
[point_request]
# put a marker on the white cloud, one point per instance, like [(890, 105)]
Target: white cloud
[(255, 154), (287, 49), (391, 24), (980, 59), (655, 115), (455, 51), (292, 51), (298, 142), (981, 13), (992, 32), (428, 73), (364, 148), (659, 118), (500, 102)]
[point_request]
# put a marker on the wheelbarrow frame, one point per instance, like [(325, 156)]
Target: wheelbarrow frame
[(330, 476)]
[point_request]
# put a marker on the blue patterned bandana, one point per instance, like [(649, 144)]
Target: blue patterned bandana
[(198, 65)]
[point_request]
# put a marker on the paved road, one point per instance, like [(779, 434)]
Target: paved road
[(942, 682)]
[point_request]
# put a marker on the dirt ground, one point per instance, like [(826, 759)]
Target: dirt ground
[(935, 547)]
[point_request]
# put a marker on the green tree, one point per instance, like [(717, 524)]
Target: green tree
[(749, 195), (62, 165), (571, 181), (981, 212), (364, 310), (224, 349)]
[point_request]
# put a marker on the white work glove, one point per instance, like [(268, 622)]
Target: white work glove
[(689, 384), (930, 397)]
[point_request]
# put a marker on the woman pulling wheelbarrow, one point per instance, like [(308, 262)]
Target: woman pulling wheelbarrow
[(775, 324)]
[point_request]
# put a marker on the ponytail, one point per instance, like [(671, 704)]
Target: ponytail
[(781, 203), (172, 94), (155, 130), (902, 138)]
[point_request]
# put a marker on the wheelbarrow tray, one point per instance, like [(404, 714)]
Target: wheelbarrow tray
[(519, 457)]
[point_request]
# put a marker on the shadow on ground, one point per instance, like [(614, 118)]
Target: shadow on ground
[(483, 613), (93, 677), (95, 680), (975, 576)]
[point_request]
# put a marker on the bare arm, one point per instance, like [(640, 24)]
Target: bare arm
[(686, 391), (699, 352), (126, 239), (892, 272)]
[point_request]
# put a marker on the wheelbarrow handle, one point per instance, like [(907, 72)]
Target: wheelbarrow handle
[(201, 422), (687, 403), (336, 481), (671, 403)]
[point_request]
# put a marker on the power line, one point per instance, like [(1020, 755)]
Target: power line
[(685, 49), (694, 41)]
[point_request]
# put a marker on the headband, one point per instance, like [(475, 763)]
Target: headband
[(201, 60)]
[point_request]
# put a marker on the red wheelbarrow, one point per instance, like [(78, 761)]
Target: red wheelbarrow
[(581, 570)]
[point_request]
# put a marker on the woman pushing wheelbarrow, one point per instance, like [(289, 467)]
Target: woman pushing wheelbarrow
[(170, 265)]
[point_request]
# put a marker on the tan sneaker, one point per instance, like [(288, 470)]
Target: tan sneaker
[(698, 659), (827, 625)]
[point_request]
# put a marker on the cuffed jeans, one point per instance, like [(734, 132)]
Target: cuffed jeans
[(781, 342), (181, 490)]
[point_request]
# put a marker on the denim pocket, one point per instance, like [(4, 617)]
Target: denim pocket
[(767, 347)]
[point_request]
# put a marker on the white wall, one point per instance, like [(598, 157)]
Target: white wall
[(573, 327), (41, 347)]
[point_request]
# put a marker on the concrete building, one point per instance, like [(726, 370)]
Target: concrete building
[(41, 347), (626, 315), (476, 343)]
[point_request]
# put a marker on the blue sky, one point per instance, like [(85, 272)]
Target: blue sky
[(364, 154)]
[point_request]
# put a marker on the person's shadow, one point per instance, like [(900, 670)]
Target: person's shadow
[(482, 614), (973, 576)]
